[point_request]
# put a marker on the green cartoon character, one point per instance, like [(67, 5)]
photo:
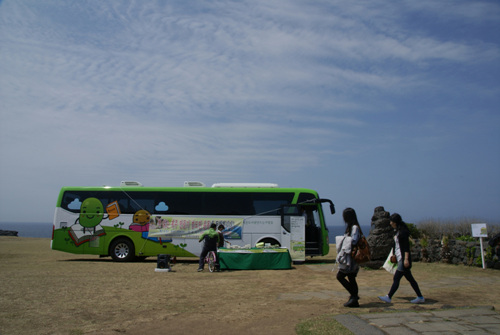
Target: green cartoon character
[(87, 226), (91, 214)]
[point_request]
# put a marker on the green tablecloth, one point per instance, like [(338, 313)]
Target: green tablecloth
[(254, 259)]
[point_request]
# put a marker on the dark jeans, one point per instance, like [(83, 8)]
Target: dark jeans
[(350, 285), (397, 279), (204, 253)]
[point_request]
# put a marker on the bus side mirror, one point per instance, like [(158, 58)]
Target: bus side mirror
[(332, 206)]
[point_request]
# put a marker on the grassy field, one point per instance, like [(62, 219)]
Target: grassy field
[(50, 292)]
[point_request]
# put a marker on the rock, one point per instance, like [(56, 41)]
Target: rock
[(8, 233), (380, 238)]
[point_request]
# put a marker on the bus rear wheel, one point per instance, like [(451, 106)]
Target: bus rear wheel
[(122, 250)]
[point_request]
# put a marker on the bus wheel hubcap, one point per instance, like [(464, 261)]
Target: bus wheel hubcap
[(121, 250)]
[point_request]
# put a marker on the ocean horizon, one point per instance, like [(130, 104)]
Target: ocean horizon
[(29, 229), (44, 229)]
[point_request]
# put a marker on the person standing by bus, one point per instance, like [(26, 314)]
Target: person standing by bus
[(211, 238), (221, 236), (348, 269), (403, 255)]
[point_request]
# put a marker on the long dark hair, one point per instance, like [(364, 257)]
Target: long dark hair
[(400, 224), (350, 219)]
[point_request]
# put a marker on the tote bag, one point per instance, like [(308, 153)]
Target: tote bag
[(390, 266)]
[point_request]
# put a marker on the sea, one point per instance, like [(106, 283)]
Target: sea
[(44, 229), (29, 229)]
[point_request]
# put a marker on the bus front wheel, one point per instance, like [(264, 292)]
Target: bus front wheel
[(122, 250)]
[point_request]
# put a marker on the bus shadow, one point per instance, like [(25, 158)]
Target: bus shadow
[(85, 260), (147, 260)]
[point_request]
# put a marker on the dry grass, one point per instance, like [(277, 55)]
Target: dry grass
[(437, 228), (50, 292)]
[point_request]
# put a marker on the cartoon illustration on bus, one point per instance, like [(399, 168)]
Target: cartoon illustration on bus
[(87, 225), (141, 221)]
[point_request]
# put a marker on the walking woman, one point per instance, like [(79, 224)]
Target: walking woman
[(403, 255), (348, 269)]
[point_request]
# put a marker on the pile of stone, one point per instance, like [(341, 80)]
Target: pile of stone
[(380, 238)]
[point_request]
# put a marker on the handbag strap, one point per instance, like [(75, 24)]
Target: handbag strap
[(355, 247), (360, 232)]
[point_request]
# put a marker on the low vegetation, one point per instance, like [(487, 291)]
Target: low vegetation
[(322, 325), (437, 229)]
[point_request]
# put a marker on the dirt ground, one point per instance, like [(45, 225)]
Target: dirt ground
[(49, 292)]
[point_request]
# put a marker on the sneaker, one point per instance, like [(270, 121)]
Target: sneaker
[(385, 298), (355, 304), (352, 303), (418, 300), (200, 269)]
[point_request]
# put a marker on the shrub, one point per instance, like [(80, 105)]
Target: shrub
[(424, 242), (414, 231), (437, 228), (430, 228), (466, 238)]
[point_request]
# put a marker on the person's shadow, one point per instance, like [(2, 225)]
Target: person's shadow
[(381, 304)]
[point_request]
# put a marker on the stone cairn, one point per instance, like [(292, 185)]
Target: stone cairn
[(380, 238)]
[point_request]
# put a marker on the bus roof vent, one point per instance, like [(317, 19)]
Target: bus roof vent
[(130, 183), (193, 184), (256, 185)]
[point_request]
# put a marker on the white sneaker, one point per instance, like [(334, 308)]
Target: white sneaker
[(418, 300), (385, 298)]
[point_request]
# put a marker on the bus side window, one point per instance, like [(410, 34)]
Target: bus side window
[(124, 206)]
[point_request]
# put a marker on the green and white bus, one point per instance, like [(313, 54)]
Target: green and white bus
[(133, 222)]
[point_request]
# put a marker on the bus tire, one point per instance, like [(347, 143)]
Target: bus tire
[(271, 241), (122, 250)]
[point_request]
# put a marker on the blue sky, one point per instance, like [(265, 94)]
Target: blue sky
[(371, 103)]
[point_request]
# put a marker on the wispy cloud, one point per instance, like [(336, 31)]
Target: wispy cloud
[(238, 91)]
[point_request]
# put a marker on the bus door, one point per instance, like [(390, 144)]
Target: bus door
[(293, 222), (312, 232), (316, 229)]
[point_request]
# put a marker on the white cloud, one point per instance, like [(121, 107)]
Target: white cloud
[(233, 91)]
